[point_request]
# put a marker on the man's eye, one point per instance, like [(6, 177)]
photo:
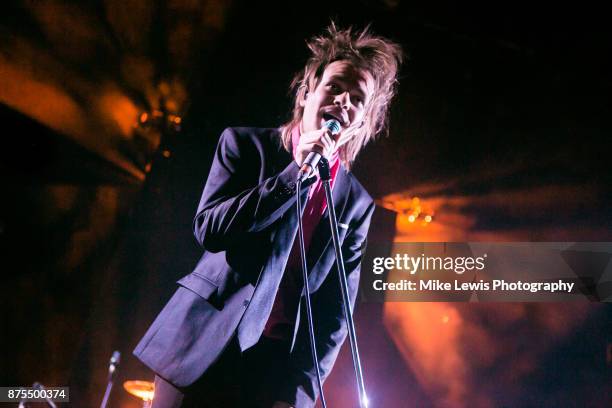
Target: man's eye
[(334, 87)]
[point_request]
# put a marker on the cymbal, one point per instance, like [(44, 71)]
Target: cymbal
[(142, 389)]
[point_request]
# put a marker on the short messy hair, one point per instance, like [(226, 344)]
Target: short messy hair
[(363, 50)]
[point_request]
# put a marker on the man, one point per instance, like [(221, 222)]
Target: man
[(235, 333)]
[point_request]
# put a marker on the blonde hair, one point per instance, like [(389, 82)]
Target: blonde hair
[(363, 50)]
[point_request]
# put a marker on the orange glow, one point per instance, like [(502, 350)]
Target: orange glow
[(453, 217), (166, 153), (145, 390), (175, 119), (115, 105), (54, 107), (413, 213), (428, 344), (451, 346), (43, 102)]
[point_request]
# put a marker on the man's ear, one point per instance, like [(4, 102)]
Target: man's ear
[(302, 95)]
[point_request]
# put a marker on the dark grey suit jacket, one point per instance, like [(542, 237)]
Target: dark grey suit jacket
[(244, 223)]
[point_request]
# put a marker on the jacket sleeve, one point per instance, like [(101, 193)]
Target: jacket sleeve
[(234, 202), (301, 389)]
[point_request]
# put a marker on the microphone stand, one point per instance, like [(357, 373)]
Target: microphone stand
[(313, 345), (37, 386), (114, 362), (325, 175)]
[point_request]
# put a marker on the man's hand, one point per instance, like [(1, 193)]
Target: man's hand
[(320, 141), (282, 404)]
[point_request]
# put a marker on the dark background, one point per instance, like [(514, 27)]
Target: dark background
[(501, 124)]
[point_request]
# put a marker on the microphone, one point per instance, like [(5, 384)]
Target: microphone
[(313, 157), (114, 362)]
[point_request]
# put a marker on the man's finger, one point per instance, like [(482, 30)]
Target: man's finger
[(329, 142), (314, 135)]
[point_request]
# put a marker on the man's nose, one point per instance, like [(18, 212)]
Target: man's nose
[(343, 100)]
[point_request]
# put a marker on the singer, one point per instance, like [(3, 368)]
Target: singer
[(234, 334)]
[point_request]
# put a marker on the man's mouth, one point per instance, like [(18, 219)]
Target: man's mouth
[(330, 116)]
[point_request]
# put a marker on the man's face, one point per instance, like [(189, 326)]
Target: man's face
[(342, 93)]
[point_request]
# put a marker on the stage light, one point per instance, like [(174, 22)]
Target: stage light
[(145, 390), (365, 402), (144, 116), (414, 214)]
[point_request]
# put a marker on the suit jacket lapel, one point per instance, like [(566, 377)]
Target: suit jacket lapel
[(321, 238)]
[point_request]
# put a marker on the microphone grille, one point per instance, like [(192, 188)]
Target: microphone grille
[(334, 126)]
